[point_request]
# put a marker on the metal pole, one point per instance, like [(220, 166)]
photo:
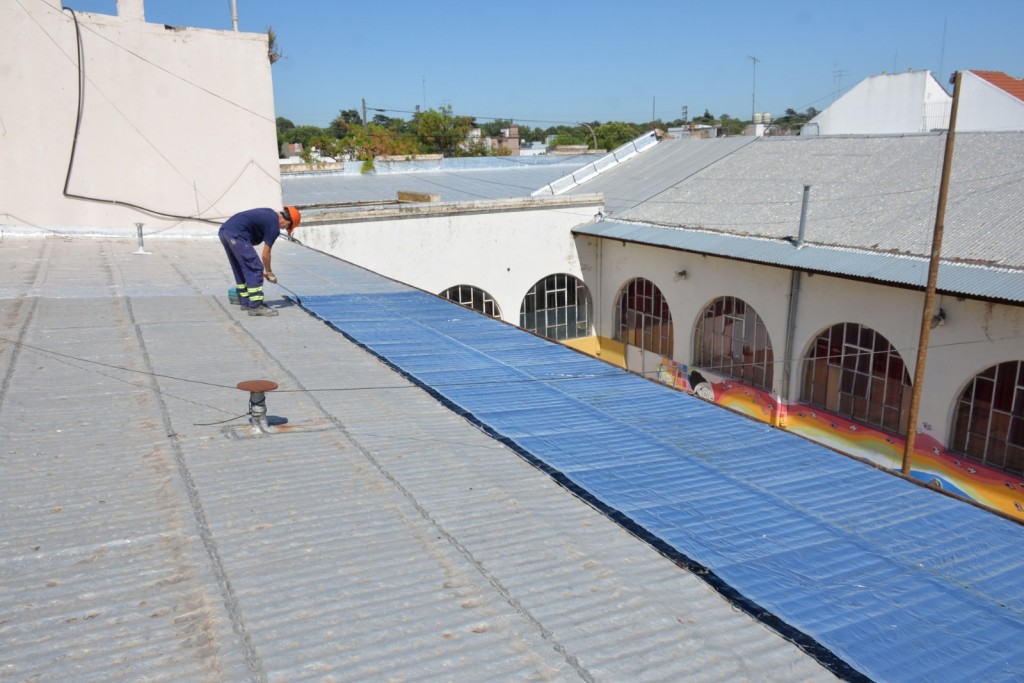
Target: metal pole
[(933, 274), (234, 14), (753, 91), (794, 300), (138, 230)]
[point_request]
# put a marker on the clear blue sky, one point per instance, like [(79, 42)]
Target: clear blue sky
[(562, 61)]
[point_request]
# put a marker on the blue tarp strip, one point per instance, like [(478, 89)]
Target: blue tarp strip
[(899, 582)]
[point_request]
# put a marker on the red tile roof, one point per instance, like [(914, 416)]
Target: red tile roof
[(1014, 86)]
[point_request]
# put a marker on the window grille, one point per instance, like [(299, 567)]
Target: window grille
[(557, 307), (989, 421), (855, 372), (731, 339), (643, 319), (473, 297)]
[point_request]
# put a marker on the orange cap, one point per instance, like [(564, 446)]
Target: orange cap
[(293, 215)]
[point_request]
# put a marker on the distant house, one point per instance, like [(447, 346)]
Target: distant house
[(915, 102), (990, 100), (912, 102), (508, 139), (291, 149)]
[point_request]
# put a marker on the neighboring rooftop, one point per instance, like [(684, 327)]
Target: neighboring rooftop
[(1014, 86), (871, 206), (455, 180)]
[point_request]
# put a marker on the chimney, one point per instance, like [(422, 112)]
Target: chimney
[(131, 10)]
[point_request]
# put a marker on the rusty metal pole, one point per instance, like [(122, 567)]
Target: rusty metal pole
[(933, 275)]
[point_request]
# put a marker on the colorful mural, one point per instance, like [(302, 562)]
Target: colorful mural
[(931, 462)]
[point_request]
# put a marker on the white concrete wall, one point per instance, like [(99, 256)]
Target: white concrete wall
[(912, 102), (975, 336), (983, 106), (502, 247), (179, 121)]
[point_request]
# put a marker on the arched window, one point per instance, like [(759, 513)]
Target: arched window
[(642, 317), (473, 297), (989, 422), (855, 372), (731, 339), (557, 307)]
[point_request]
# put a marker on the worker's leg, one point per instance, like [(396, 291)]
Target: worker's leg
[(247, 267), (236, 266)]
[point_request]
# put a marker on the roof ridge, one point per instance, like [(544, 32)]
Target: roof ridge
[(1003, 81)]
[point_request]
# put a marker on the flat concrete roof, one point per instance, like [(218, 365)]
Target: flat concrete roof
[(148, 532)]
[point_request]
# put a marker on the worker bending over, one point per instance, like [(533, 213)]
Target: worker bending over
[(240, 234)]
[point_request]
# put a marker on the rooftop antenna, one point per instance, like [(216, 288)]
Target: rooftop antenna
[(942, 52), (837, 80), (753, 92)]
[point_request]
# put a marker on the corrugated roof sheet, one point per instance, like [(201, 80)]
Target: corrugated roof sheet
[(953, 278), (876, 193), (657, 169), (147, 534), (453, 179), (902, 583)]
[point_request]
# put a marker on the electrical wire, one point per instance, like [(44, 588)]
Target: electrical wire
[(445, 385), (74, 142)]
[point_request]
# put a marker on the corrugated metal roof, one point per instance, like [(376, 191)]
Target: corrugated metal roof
[(902, 583), (876, 193), (661, 167), (376, 536), (953, 278), (454, 180)]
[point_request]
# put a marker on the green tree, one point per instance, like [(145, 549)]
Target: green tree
[(731, 126), (705, 118), (441, 131), (284, 125), (375, 140), (571, 138), (615, 133), (344, 122)]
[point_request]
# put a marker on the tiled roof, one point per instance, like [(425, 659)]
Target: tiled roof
[(1014, 86)]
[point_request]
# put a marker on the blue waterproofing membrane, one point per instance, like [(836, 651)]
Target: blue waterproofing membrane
[(876, 577)]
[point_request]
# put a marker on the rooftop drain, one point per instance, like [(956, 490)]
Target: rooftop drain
[(258, 389)]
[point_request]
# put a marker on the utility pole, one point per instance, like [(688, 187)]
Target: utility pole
[(933, 276), (753, 92), (364, 111)]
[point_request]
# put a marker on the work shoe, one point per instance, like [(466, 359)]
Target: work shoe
[(262, 309)]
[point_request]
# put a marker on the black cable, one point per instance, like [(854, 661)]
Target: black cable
[(74, 142), (213, 424)]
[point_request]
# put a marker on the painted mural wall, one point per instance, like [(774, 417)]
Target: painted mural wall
[(931, 462), (973, 336)]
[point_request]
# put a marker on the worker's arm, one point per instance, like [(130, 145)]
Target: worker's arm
[(266, 260)]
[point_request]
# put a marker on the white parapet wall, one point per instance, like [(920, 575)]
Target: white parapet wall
[(176, 121), (503, 247)]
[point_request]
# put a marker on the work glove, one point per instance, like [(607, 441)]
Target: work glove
[(270, 277)]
